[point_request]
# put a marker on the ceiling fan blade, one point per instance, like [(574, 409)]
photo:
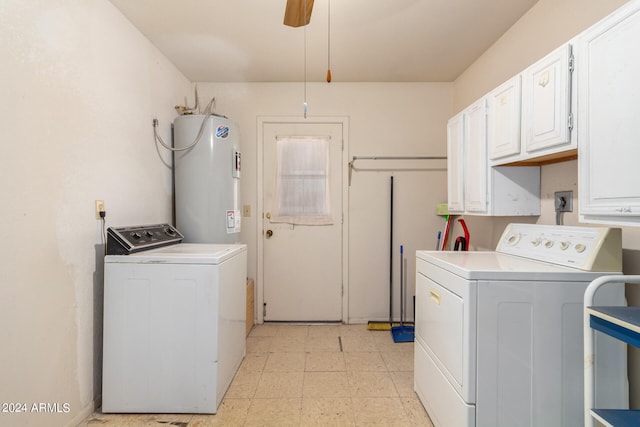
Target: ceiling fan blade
[(294, 13)]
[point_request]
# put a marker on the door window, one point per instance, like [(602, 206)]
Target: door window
[(302, 190)]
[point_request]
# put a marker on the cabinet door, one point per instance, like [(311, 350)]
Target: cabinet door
[(475, 155), (609, 121), (547, 102), (455, 163), (503, 119)]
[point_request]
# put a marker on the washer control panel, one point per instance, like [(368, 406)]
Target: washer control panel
[(585, 248), (127, 240)]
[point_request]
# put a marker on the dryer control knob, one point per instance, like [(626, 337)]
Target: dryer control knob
[(565, 245), (580, 248), (536, 241)]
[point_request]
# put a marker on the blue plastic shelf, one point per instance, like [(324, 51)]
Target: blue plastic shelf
[(622, 323), (617, 417)]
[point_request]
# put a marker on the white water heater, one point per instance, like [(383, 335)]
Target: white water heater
[(207, 179)]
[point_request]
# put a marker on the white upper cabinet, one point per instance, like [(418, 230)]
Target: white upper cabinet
[(475, 188), (455, 163), (467, 160), (609, 118), (530, 116), (546, 104), (503, 106), (475, 157)]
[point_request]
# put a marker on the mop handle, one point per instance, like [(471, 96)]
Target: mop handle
[(401, 287)]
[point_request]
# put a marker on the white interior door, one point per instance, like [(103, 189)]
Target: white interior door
[(302, 267)]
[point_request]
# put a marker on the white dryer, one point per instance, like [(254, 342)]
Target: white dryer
[(499, 334), (174, 321)]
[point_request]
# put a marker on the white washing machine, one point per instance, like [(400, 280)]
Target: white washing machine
[(498, 335), (174, 321)]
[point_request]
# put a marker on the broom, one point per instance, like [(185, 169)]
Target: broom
[(379, 325), (374, 325)]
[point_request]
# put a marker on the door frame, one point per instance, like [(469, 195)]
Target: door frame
[(262, 121)]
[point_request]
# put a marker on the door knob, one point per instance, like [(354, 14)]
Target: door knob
[(269, 233)]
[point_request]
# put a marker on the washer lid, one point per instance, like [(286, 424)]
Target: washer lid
[(184, 253)]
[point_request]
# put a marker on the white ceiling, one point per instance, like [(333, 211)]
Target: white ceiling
[(370, 40)]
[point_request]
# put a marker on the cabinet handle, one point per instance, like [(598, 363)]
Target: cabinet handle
[(435, 296)]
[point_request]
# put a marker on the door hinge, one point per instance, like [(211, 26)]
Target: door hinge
[(264, 310), (570, 122), (571, 62)]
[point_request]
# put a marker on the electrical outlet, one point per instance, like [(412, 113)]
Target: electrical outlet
[(563, 201), (99, 209)]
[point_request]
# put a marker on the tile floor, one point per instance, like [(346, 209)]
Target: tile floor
[(299, 375)]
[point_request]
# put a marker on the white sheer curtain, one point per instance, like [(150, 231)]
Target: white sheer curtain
[(301, 193)]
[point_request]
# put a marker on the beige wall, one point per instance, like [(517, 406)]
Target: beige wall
[(79, 89), (385, 119), (545, 27)]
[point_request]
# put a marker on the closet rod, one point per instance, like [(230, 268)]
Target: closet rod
[(354, 158), (303, 137)]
